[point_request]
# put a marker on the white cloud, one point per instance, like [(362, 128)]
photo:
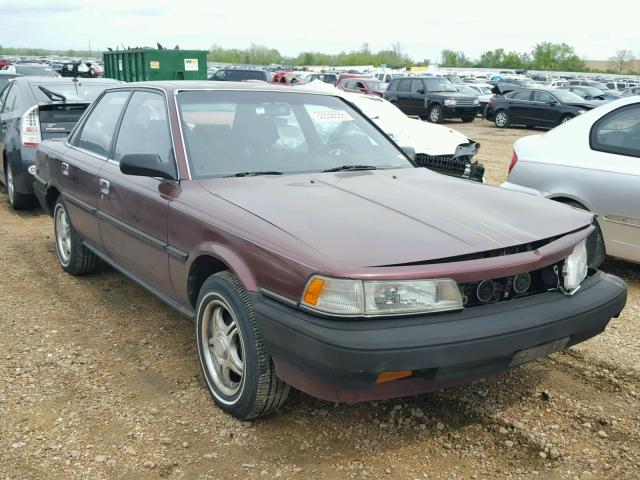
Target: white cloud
[(423, 28)]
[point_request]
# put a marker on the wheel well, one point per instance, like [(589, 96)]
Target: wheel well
[(51, 197), (568, 200), (201, 269)]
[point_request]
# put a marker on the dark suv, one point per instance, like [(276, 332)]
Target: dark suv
[(432, 99)]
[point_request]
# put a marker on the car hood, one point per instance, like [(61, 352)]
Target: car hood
[(424, 137), (394, 217)]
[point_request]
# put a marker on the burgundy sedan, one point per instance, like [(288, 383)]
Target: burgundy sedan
[(309, 250)]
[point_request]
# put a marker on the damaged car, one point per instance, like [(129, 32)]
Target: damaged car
[(309, 250)]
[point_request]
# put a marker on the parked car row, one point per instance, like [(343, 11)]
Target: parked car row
[(309, 250)]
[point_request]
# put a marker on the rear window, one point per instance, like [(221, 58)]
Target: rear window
[(72, 91), (61, 113)]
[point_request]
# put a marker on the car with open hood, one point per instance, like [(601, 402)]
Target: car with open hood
[(309, 250)]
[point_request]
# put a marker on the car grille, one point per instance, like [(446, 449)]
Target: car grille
[(445, 164), (448, 165), (486, 292), (465, 103)]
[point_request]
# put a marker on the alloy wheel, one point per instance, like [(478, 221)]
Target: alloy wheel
[(222, 346), (10, 188), (434, 115), (501, 119), (63, 235)]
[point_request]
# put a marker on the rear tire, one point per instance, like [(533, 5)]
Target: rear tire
[(74, 257), (596, 252), (17, 201), (502, 119), (435, 114), (239, 373), (468, 119)]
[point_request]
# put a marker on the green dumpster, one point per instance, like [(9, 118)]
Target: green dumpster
[(150, 64)]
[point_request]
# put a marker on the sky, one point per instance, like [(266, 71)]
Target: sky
[(423, 28)]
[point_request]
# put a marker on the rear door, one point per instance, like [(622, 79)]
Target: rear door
[(520, 107), (615, 152), (134, 209), (404, 96), (545, 109), (78, 171), (9, 124)]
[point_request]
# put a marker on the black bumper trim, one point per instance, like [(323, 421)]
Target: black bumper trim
[(443, 347)]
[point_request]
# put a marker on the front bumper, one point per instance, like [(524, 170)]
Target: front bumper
[(340, 360), (457, 112)]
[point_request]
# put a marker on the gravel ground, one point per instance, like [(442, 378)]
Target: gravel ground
[(100, 380)]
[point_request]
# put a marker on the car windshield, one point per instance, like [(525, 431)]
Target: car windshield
[(592, 91), (440, 85), (454, 79), (231, 133), (72, 92), (598, 85), (565, 96), (35, 70)]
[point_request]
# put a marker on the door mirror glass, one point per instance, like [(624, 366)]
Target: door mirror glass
[(146, 165)]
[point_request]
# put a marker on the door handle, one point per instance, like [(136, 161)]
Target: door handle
[(104, 186), (65, 169)]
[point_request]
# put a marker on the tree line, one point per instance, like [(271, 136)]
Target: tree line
[(543, 56), (548, 56)]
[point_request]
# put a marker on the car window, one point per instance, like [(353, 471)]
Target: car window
[(404, 85), (416, 85), (10, 103), (543, 97), (229, 132), (145, 128), (99, 127), (522, 95), (618, 132)]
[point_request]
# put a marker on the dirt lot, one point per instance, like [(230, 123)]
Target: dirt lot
[(100, 380)]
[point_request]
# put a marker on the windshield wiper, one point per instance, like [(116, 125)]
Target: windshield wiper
[(351, 167), (254, 174), (51, 94)]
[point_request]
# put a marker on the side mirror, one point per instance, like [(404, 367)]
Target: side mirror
[(552, 103), (420, 91), (409, 151), (147, 165)]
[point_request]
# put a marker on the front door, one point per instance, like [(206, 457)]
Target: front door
[(87, 153), (134, 209)]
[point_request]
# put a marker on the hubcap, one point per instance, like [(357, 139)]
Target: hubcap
[(63, 235), (435, 115), (501, 119), (566, 119), (222, 346), (10, 187)]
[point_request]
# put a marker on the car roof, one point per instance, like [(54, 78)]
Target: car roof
[(171, 86), (98, 81)]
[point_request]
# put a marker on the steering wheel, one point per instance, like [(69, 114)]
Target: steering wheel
[(334, 149)]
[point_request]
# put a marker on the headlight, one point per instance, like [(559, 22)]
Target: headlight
[(450, 103), (575, 267), (581, 111), (476, 102), (402, 297)]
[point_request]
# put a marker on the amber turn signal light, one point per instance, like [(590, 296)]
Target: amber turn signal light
[(313, 291), (391, 376)]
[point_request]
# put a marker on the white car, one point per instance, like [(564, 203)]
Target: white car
[(437, 147), (592, 163)]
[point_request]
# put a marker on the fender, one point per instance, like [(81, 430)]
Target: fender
[(227, 256)]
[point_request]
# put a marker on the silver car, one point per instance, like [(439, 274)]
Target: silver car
[(592, 163)]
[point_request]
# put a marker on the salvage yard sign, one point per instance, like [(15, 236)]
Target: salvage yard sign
[(191, 64)]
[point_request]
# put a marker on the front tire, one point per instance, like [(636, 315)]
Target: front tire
[(502, 119), (565, 119), (468, 119), (74, 257), (435, 114), (17, 201), (239, 373)]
